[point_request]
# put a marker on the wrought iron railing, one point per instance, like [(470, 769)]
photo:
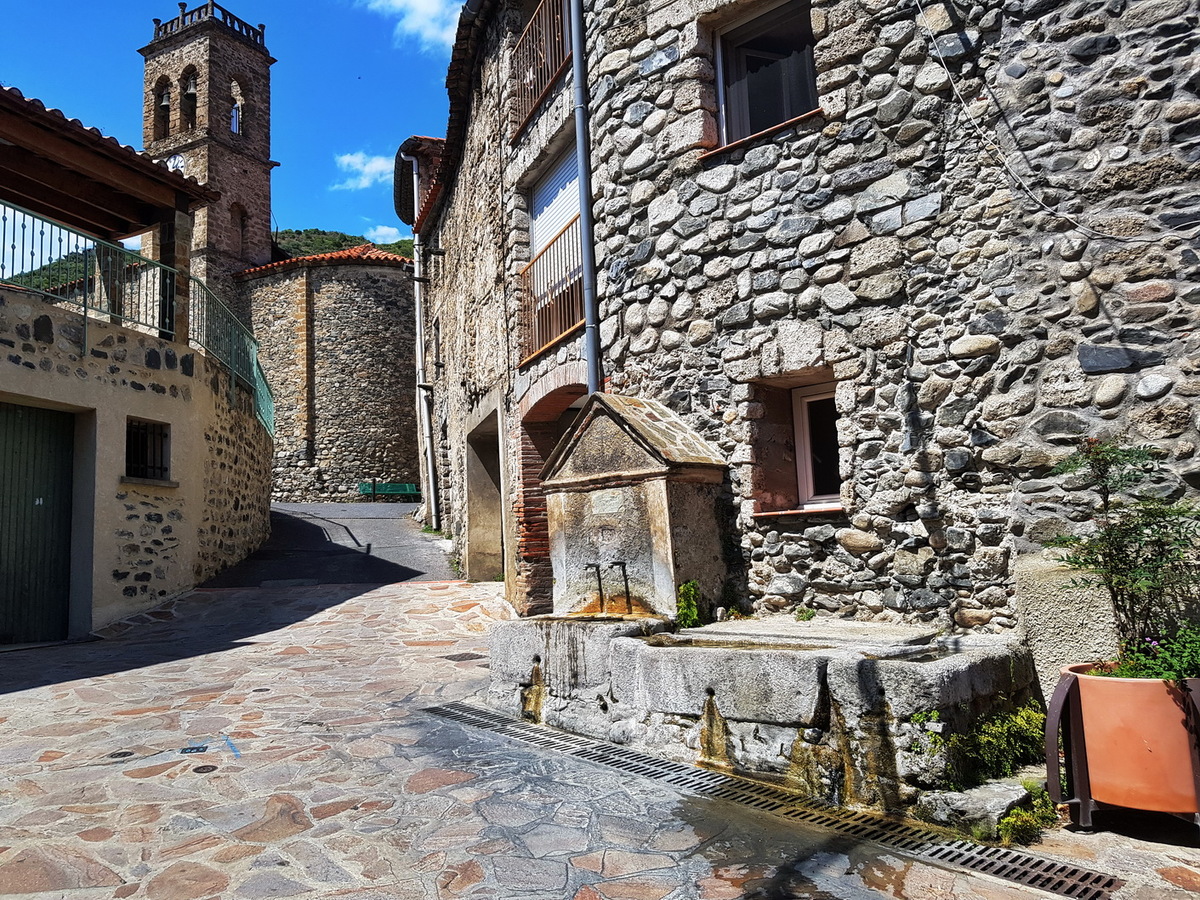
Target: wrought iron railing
[(552, 285), (108, 282), (71, 268), (542, 53)]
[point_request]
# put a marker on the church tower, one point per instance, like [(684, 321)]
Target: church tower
[(207, 112)]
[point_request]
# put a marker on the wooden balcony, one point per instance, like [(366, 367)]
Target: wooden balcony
[(542, 54), (552, 284)]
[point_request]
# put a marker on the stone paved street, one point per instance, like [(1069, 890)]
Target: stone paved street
[(270, 742)]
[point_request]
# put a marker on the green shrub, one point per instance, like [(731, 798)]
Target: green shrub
[(805, 614), (687, 605), (1000, 744), (1024, 826)]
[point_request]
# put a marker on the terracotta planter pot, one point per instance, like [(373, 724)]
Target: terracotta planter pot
[(1141, 751)]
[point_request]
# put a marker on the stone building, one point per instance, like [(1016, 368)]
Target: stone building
[(135, 454), (335, 332), (890, 260), (340, 329)]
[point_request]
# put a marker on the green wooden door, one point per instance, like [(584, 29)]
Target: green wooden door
[(36, 449)]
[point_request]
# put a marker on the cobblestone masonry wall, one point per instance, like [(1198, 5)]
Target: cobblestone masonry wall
[(149, 541), (336, 345), (985, 236)]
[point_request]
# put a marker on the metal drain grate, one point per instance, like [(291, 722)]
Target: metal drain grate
[(463, 657), (1023, 868)]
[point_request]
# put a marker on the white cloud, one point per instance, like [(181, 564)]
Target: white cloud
[(364, 171), (432, 22), (383, 234)]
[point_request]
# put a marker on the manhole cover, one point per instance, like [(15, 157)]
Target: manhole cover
[(120, 754), (463, 657), (204, 770), (260, 690)]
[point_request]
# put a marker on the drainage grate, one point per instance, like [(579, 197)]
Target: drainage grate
[(1044, 874), (463, 657)]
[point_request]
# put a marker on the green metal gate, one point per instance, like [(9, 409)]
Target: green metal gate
[(36, 450)]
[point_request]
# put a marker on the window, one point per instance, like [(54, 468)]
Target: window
[(796, 445), (814, 417), (147, 450), (765, 71), (237, 229)]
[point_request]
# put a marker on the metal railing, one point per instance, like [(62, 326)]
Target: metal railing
[(74, 269), (264, 399), (541, 55), (216, 330), (107, 282), (552, 284)]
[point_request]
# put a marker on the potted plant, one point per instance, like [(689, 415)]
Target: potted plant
[(1130, 724)]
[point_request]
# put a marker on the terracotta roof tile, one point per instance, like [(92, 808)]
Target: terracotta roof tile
[(37, 109), (364, 253)]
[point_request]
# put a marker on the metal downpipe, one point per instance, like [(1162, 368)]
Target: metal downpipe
[(424, 389), (587, 225)]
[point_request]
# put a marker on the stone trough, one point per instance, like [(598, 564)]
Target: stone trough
[(826, 707)]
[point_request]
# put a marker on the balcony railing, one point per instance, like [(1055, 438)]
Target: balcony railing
[(104, 280), (112, 284), (541, 56), (553, 291)]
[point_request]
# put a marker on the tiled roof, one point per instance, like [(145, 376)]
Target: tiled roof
[(97, 140), (364, 254)]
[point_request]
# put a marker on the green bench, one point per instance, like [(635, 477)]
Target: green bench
[(408, 493)]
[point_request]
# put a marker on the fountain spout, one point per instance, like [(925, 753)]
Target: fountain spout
[(599, 586), (620, 564)]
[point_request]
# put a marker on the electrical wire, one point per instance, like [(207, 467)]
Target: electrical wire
[(997, 154)]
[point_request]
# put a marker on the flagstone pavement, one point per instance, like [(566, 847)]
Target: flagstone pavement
[(270, 742)]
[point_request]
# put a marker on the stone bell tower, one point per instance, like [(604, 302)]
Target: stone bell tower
[(207, 112)]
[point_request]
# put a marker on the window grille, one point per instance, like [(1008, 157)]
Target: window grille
[(147, 450)]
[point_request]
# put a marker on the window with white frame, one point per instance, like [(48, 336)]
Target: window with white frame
[(814, 417), (765, 71)]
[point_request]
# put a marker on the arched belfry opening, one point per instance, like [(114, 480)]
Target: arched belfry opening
[(237, 108), (188, 88), (161, 108)]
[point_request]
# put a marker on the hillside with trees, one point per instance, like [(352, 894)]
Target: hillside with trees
[(312, 241)]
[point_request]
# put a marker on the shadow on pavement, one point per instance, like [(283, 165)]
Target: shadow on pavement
[(303, 550), (202, 623)]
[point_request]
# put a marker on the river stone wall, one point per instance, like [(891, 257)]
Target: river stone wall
[(336, 343), (984, 237)]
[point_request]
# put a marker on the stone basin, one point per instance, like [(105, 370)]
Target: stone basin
[(826, 704)]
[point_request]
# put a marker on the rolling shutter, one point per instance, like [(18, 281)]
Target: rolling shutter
[(554, 202)]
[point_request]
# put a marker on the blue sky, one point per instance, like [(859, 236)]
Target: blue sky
[(354, 78)]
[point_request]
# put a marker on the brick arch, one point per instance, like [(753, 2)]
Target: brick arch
[(545, 417)]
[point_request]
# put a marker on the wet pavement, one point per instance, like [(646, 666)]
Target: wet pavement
[(272, 742)]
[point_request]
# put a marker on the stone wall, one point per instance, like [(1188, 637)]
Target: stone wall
[(982, 236), (145, 540), (336, 343)]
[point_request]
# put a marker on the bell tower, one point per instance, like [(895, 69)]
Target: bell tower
[(207, 112)]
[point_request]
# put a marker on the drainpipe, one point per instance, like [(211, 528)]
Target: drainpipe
[(424, 389), (587, 226)]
